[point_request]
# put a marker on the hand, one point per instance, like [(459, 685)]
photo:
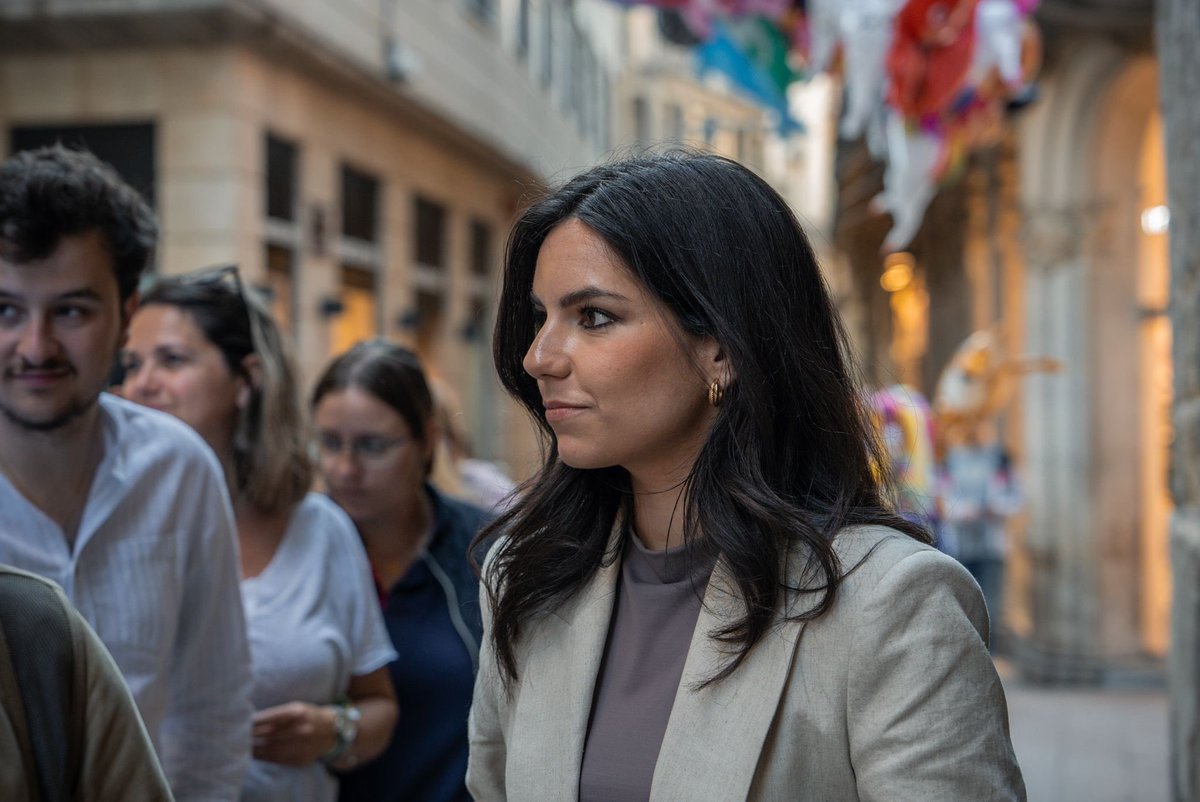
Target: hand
[(293, 734)]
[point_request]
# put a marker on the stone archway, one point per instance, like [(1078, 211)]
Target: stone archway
[(1080, 162), (1132, 354)]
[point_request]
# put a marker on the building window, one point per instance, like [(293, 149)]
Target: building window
[(547, 44), (281, 179), (431, 234), (361, 260), (360, 205), (480, 383), (359, 319), (675, 127), (603, 121), (482, 10), (281, 227), (522, 38), (129, 148), (481, 249), (479, 285), (641, 120), (430, 304), (576, 62), (430, 276), (281, 286)]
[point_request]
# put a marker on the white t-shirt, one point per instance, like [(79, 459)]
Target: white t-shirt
[(313, 620)]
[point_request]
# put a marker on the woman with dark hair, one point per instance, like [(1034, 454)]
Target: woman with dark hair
[(377, 432), (202, 350), (705, 593)]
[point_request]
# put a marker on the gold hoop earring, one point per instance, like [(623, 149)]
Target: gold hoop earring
[(716, 393)]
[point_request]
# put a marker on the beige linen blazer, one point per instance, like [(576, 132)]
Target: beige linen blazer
[(891, 695)]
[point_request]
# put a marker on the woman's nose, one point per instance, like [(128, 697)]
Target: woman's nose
[(341, 464), (140, 383), (546, 357)]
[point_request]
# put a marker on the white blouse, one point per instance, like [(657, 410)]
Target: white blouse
[(313, 620)]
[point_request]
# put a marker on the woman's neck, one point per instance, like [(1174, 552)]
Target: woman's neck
[(396, 540), (259, 534), (658, 514)]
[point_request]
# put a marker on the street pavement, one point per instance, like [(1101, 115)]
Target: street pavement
[(1089, 744)]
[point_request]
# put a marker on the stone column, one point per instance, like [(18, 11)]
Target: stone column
[(1178, 41), (1061, 645)]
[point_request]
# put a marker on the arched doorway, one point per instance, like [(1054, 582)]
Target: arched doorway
[(1096, 435)]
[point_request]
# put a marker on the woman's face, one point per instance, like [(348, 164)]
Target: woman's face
[(170, 365), (618, 386), (368, 456)]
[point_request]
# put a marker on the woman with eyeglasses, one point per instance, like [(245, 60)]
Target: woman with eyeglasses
[(200, 349), (377, 432)]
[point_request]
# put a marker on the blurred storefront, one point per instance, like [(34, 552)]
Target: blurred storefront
[(1053, 237)]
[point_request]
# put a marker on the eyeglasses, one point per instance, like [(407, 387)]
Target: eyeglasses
[(224, 275), (365, 448)]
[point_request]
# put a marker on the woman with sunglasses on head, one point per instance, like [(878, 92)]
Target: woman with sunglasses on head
[(705, 593), (377, 431), (202, 350)]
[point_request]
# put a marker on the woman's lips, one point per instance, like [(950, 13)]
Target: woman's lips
[(556, 412)]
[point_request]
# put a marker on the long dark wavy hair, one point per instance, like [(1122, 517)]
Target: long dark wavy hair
[(790, 459)]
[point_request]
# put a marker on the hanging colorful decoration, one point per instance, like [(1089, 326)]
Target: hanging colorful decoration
[(753, 54), (904, 423), (927, 81), (951, 68), (748, 41)]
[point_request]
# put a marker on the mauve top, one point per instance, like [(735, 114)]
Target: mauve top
[(654, 614)]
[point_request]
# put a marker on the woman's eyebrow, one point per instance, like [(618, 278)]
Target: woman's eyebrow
[(588, 294)]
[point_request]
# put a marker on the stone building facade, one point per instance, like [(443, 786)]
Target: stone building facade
[(359, 160)]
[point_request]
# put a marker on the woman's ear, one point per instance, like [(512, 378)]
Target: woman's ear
[(251, 379), (715, 362)]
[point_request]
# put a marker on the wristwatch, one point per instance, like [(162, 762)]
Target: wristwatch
[(345, 729)]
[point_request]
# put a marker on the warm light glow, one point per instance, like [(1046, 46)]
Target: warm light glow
[(1156, 219), (897, 271)]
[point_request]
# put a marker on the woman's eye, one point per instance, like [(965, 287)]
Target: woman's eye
[(593, 318), (173, 360)]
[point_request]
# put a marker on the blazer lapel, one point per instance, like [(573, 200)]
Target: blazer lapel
[(560, 676), (715, 736)]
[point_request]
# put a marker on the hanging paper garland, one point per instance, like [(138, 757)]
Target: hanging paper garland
[(927, 81)]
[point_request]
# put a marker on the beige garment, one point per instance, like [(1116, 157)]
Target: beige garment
[(891, 695), (116, 760)]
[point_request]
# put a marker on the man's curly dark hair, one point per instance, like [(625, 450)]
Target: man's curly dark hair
[(55, 192)]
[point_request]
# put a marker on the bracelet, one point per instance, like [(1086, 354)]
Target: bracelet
[(346, 718)]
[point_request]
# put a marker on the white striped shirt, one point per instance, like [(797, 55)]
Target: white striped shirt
[(154, 570)]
